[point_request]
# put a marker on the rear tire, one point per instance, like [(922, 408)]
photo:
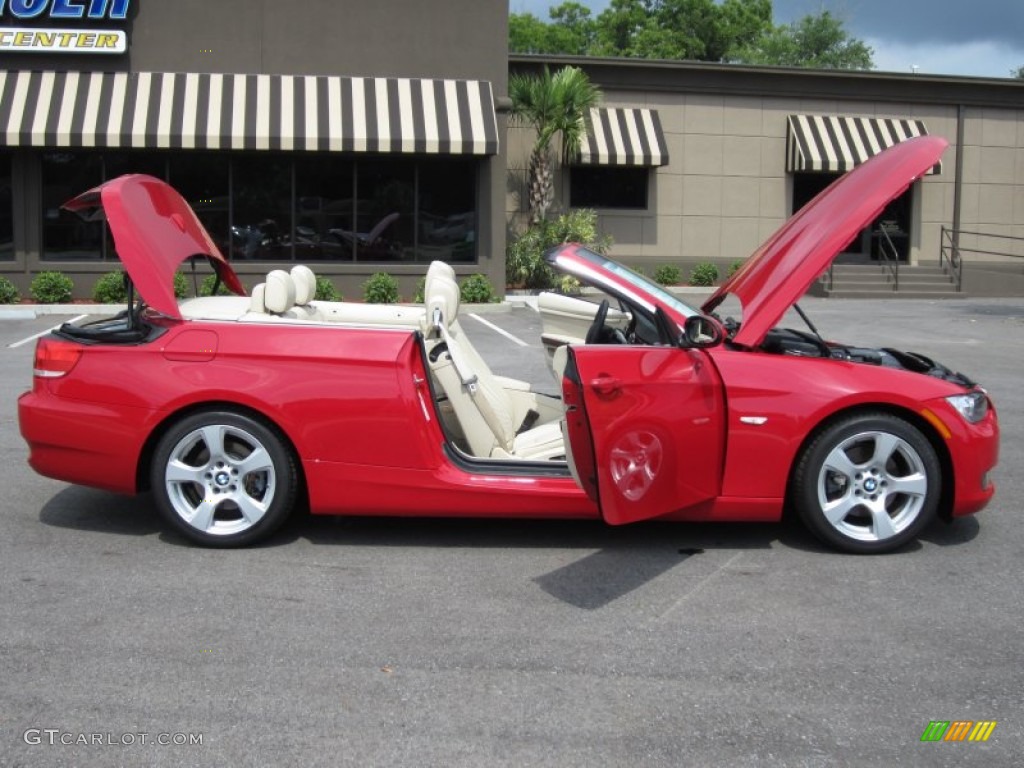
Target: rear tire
[(223, 479), (867, 484)]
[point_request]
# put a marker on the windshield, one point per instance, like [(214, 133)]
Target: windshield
[(656, 291), (605, 266)]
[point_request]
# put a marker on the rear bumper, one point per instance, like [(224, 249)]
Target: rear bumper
[(82, 443)]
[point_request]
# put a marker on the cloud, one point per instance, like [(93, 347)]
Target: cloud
[(918, 21), (977, 59)]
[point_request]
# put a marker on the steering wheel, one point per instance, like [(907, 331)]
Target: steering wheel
[(594, 332)]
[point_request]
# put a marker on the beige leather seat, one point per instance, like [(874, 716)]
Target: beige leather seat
[(441, 271), (498, 421)]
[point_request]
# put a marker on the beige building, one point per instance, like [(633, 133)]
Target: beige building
[(343, 135), (747, 146), (298, 138)]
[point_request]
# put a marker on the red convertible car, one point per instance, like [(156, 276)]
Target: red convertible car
[(231, 410)]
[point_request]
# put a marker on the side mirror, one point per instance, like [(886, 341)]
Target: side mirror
[(701, 332)]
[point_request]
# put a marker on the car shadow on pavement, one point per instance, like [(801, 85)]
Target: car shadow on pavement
[(87, 509), (604, 576), (616, 561), (502, 533), (959, 531)]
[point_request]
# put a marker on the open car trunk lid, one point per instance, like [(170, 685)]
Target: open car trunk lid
[(154, 231)]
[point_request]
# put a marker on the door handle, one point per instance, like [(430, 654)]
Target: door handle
[(607, 386)]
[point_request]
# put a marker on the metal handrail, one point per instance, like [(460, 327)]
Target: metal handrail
[(949, 250), (890, 260), (990, 234)]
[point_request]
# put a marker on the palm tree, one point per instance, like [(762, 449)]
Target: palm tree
[(553, 104)]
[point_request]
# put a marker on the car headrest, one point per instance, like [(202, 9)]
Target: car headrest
[(442, 300), (437, 284), (305, 284), (279, 295), (442, 268), (256, 303)]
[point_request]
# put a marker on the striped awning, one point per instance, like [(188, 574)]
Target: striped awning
[(153, 110), (829, 143), (617, 136)]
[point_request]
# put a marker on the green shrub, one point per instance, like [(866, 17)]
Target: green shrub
[(704, 273), (668, 274), (8, 292), (181, 284), (421, 289), (51, 288), (569, 285), (110, 289), (524, 260), (325, 290), (477, 289), (734, 267), (206, 287), (381, 288), (524, 263)]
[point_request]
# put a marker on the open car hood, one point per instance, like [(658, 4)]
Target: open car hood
[(154, 231), (783, 268)]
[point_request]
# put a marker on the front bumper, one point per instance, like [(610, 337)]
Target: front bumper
[(973, 452)]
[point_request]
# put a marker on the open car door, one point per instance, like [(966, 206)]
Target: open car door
[(645, 428)]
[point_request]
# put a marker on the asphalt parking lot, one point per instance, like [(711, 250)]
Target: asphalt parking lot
[(447, 643)]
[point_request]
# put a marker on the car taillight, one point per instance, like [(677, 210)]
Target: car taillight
[(55, 358)]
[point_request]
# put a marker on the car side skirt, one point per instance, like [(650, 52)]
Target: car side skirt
[(445, 491)]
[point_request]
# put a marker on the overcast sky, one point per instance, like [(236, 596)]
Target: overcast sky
[(983, 38)]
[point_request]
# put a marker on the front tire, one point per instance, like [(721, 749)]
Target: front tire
[(223, 479), (867, 484)]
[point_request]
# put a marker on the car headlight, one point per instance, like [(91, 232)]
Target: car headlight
[(972, 406)]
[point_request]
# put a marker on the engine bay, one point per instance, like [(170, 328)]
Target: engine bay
[(799, 343)]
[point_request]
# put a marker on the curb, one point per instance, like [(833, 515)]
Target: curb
[(32, 311)]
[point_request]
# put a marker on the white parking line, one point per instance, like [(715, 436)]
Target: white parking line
[(35, 336), (496, 329)]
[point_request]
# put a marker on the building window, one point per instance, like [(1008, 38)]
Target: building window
[(324, 208), (447, 220), (203, 179), (6, 208), (261, 208), (284, 207), (385, 210), (339, 208), (608, 187)]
